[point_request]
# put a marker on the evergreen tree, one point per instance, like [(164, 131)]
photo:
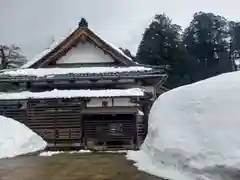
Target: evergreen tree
[(234, 42), (161, 45), (158, 39), (206, 39), (11, 57)]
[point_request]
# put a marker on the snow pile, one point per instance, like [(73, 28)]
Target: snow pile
[(41, 72), (80, 151), (50, 153), (136, 92), (115, 152), (140, 113), (16, 139), (194, 132)]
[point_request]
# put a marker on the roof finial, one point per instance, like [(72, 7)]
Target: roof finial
[(83, 23)]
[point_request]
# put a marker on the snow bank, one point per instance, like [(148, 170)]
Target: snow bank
[(136, 92), (16, 139), (41, 72), (194, 132)]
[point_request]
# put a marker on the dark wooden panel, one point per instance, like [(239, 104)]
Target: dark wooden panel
[(61, 121), (61, 117), (104, 128)]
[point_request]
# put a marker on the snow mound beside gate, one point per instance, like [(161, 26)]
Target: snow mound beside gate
[(17, 139), (194, 132)]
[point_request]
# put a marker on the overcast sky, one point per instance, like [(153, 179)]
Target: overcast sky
[(31, 24)]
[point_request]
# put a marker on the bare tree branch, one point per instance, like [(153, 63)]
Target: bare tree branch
[(10, 56)]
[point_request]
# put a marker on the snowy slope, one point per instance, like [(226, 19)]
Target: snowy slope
[(194, 132), (16, 139)]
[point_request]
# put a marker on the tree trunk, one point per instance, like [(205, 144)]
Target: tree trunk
[(3, 59)]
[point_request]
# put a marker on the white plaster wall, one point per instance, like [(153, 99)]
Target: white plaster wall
[(117, 102), (85, 53), (98, 102), (123, 102)]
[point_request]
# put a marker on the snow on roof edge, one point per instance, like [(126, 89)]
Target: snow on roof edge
[(114, 47), (118, 50), (82, 70), (135, 92), (40, 55)]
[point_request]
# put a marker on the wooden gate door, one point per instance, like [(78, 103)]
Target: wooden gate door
[(58, 121)]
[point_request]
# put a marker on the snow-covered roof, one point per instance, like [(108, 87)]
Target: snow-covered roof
[(114, 47), (58, 43), (133, 92), (82, 70), (41, 55)]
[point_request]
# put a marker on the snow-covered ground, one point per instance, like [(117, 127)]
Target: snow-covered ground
[(16, 139), (82, 151), (52, 153), (194, 132)]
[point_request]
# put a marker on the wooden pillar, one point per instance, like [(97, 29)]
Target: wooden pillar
[(139, 128), (146, 111)]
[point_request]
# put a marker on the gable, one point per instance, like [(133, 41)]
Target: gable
[(72, 50), (85, 53)]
